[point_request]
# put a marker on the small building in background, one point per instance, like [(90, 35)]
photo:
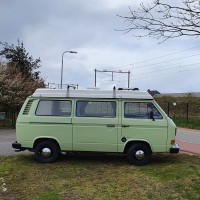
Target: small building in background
[(153, 92)]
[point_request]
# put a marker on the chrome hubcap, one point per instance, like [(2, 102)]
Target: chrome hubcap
[(46, 152), (139, 154)]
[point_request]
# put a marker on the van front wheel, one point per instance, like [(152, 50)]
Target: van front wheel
[(46, 152), (139, 154)]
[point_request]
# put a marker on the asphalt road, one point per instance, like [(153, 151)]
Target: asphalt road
[(7, 137), (188, 135)]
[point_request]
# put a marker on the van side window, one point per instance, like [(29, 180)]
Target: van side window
[(96, 109), (141, 110), (54, 108)]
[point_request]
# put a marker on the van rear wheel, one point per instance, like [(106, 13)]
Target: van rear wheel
[(46, 152), (139, 154)]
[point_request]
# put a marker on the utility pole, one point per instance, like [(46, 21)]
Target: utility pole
[(129, 73), (111, 71), (95, 78)]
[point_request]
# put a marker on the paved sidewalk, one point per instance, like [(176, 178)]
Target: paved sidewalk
[(189, 147), (188, 140)]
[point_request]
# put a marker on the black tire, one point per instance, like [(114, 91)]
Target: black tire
[(139, 154), (46, 152)]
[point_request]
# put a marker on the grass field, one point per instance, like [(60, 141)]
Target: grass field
[(184, 123), (100, 177), (185, 107)]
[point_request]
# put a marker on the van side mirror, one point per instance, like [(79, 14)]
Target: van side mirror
[(151, 115)]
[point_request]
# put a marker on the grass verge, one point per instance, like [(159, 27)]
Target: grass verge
[(100, 177), (184, 123)]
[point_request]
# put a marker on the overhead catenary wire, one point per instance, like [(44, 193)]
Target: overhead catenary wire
[(145, 77), (147, 64)]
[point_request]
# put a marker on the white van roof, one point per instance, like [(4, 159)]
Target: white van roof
[(106, 94)]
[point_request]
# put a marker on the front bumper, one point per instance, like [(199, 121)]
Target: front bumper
[(174, 149)]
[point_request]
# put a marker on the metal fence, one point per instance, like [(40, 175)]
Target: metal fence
[(8, 118), (12, 116), (187, 110)]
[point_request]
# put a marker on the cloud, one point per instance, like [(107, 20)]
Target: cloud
[(49, 28)]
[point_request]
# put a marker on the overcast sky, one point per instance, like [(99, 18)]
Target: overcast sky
[(48, 28)]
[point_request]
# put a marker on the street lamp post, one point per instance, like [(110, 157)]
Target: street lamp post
[(62, 66)]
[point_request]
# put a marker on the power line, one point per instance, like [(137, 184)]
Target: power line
[(163, 62), (198, 68), (171, 68), (155, 58), (88, 79)]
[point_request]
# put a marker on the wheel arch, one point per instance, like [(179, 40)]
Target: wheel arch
[(132, 142), (38, 140)]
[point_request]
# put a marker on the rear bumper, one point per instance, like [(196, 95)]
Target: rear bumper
[(174, 149), (18, 146)]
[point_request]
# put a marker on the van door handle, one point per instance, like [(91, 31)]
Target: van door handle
[(125, 126), (110, 125)]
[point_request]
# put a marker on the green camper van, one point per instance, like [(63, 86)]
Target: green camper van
[(53, 121)]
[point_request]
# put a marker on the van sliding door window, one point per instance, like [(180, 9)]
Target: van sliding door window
[(141, 110), (54, 108), (96, 109)]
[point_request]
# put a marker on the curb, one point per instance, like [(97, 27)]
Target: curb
[(188, 153)]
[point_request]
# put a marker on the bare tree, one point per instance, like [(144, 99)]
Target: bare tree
[(164, 19)]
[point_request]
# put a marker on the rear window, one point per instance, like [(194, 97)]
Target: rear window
[(54, 108), (96, 109)]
